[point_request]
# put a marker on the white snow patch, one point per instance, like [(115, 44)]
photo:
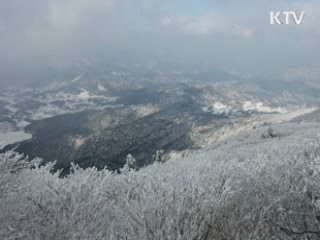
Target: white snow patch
[(217, 108), (85, 94), (78, 141), (260, 107), (101, 88), (46, 112), (22, 124), (14, 137), (220, 108), (144, 110)]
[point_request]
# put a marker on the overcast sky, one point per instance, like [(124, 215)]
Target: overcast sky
[(229, 34)]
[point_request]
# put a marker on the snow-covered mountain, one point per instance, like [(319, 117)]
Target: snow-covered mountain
[(109, 115), (104, 120)]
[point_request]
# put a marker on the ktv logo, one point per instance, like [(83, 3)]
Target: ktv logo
[(286, 17)]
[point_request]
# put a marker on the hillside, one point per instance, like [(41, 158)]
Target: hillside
[(261, 183), (96, 119)]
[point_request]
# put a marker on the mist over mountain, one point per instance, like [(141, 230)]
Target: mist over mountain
[(39, 40)]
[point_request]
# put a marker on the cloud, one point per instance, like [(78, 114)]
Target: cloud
[(228, 34), (206, 25)]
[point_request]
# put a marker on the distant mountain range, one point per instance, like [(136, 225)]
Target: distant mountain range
[(98, 118)]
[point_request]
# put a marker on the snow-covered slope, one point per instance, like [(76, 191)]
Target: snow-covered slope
[(262, 183)]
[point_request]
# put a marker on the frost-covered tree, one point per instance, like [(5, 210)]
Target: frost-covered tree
[(249, 188), (131, 164), (158, 157)]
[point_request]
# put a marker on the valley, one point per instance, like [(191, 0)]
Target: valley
[(99, 122)]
